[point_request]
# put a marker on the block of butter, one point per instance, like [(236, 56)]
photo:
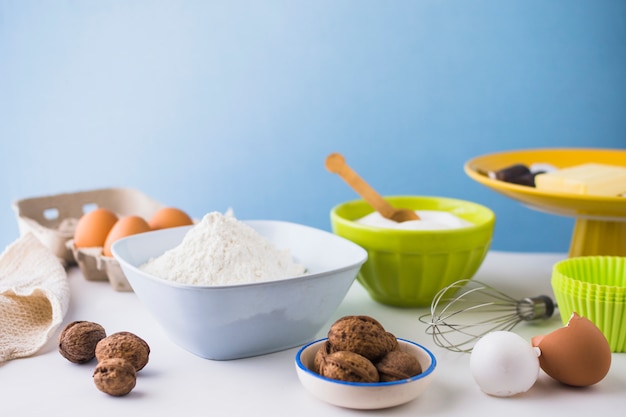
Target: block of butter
[(589, 179)]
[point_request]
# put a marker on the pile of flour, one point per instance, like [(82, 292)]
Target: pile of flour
[(221, 250)]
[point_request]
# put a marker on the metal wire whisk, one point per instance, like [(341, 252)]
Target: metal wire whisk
[(466, 310)]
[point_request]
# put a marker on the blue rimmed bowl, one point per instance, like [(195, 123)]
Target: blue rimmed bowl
[(363, 395)]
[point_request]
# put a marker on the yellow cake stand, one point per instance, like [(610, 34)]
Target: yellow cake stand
[(600, 226)]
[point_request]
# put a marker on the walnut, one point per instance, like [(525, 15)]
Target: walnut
[(397, 365), (392, 342), (348, 366), (115, 376), (125, 345), (320, 356), (361, 334), (77, 341)]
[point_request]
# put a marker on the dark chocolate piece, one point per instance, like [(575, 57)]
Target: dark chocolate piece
[(510, 173), (515, 174)]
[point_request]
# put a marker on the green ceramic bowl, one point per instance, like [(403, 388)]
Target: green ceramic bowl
[(406, 268), (594, 287)]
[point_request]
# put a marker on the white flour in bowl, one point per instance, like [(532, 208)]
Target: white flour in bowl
[(221, 250)]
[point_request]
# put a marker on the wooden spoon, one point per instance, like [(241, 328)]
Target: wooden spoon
[(336, 164)]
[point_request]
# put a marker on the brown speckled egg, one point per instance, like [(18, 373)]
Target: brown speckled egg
[(169, 217), (93, 227), (577, 354), (125, 226)]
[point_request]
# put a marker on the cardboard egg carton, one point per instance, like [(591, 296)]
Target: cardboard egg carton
[(53, 220), (97, 267)]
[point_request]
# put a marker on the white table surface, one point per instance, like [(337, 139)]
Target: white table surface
[(176, 382)]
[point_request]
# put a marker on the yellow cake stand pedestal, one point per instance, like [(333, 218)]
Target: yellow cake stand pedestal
[(600, 222)]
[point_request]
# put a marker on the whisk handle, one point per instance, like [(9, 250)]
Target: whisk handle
[(539, 307)]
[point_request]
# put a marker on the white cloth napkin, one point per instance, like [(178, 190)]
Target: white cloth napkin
[(34, 297)]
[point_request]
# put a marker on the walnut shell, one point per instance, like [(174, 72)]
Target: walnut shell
[(320, 356), (125, 345), (115, 376), (77, 341), (348, 366), (392, 342), (397, 365), (361, 334)]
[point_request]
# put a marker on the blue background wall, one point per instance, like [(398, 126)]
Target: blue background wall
[(207, 105)]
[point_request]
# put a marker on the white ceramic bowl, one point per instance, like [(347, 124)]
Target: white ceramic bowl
[(360, 395), (238, 321)]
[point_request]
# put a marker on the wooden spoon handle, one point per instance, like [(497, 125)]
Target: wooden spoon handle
[(336, 164)]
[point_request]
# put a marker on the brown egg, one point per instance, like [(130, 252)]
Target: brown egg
[(169, 217), (125, 226), (93, 227), (577, 354)]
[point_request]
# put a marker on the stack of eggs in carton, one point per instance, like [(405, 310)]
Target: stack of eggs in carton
[(98, 229), (101, 227), (80, 227)]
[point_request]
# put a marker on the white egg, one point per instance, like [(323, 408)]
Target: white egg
[(503, 364)]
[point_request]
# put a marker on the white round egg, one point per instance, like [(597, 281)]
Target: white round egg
[(503, 364)]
